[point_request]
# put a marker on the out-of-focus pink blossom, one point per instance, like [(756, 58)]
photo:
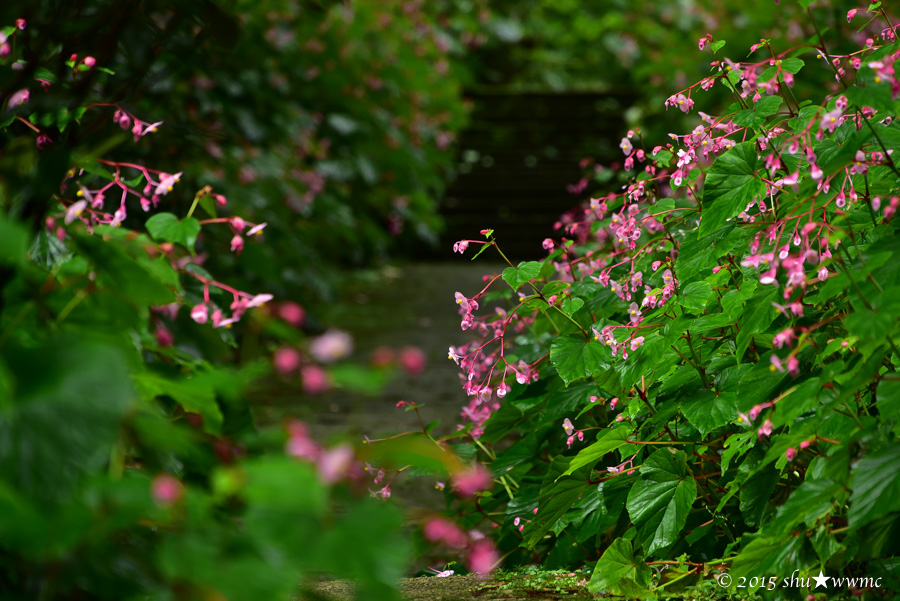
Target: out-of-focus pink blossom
[(412, 360), (292, 313), (471, 481), (315, 380), (200, 313), (483, 558), (19, 98), (442, 530), (287, 360), (163, 335), (334, 464), (166, 490), (331, 346)]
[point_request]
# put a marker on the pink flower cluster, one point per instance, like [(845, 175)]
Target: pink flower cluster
[(481, 554)]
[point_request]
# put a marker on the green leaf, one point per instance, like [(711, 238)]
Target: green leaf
[(758, 319), (558, 495), (756, 494), (63, 419), (167, 228), (660, 500), (694, 295), (615, 566), (570, 306), (123, 274), (277, 482), (699, 253), (194, 395), (730, 186), (717, 45), (651, 360), (792, 65), (575, 358), (875, 482), (768, 105), (525, 272), (607, 441), (13, 242), (808, 503), (708, 411), (613, 494)]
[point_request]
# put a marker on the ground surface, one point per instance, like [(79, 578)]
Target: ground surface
[(548, 587)]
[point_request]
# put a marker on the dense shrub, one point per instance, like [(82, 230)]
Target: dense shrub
[(702, 373)]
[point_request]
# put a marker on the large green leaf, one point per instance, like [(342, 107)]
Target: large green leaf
[(525, 272), (120, 272), (707, 410), (167, 228), (612, 493), (660, 500), (730, 186), (558, 495), (575, 358), (63, 419), (607, 441), (875, 482), (195, 395), (693, 297), (615, 566), (758, 318)]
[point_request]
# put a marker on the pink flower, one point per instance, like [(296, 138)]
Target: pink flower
[(793, 366), (256, 230), (238, 224), (765, 429), (783, 338), (287, 360), (547, 244), (626, 146), (568, 427), (613, 402), (163, 335), (412, 360), (790, 454), (43, 142), (832, 119), (75, 211), (471, 481), (300, 445), (335, 463), (200, 313), (461, 246), (636, 343), (18, 98), (331, 346), (292, 313), (259, 300), (166, 490), (167, 183), (237, 244), (315, 380), (483, 558), (89, 62), (634, 314), (442, 530)]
